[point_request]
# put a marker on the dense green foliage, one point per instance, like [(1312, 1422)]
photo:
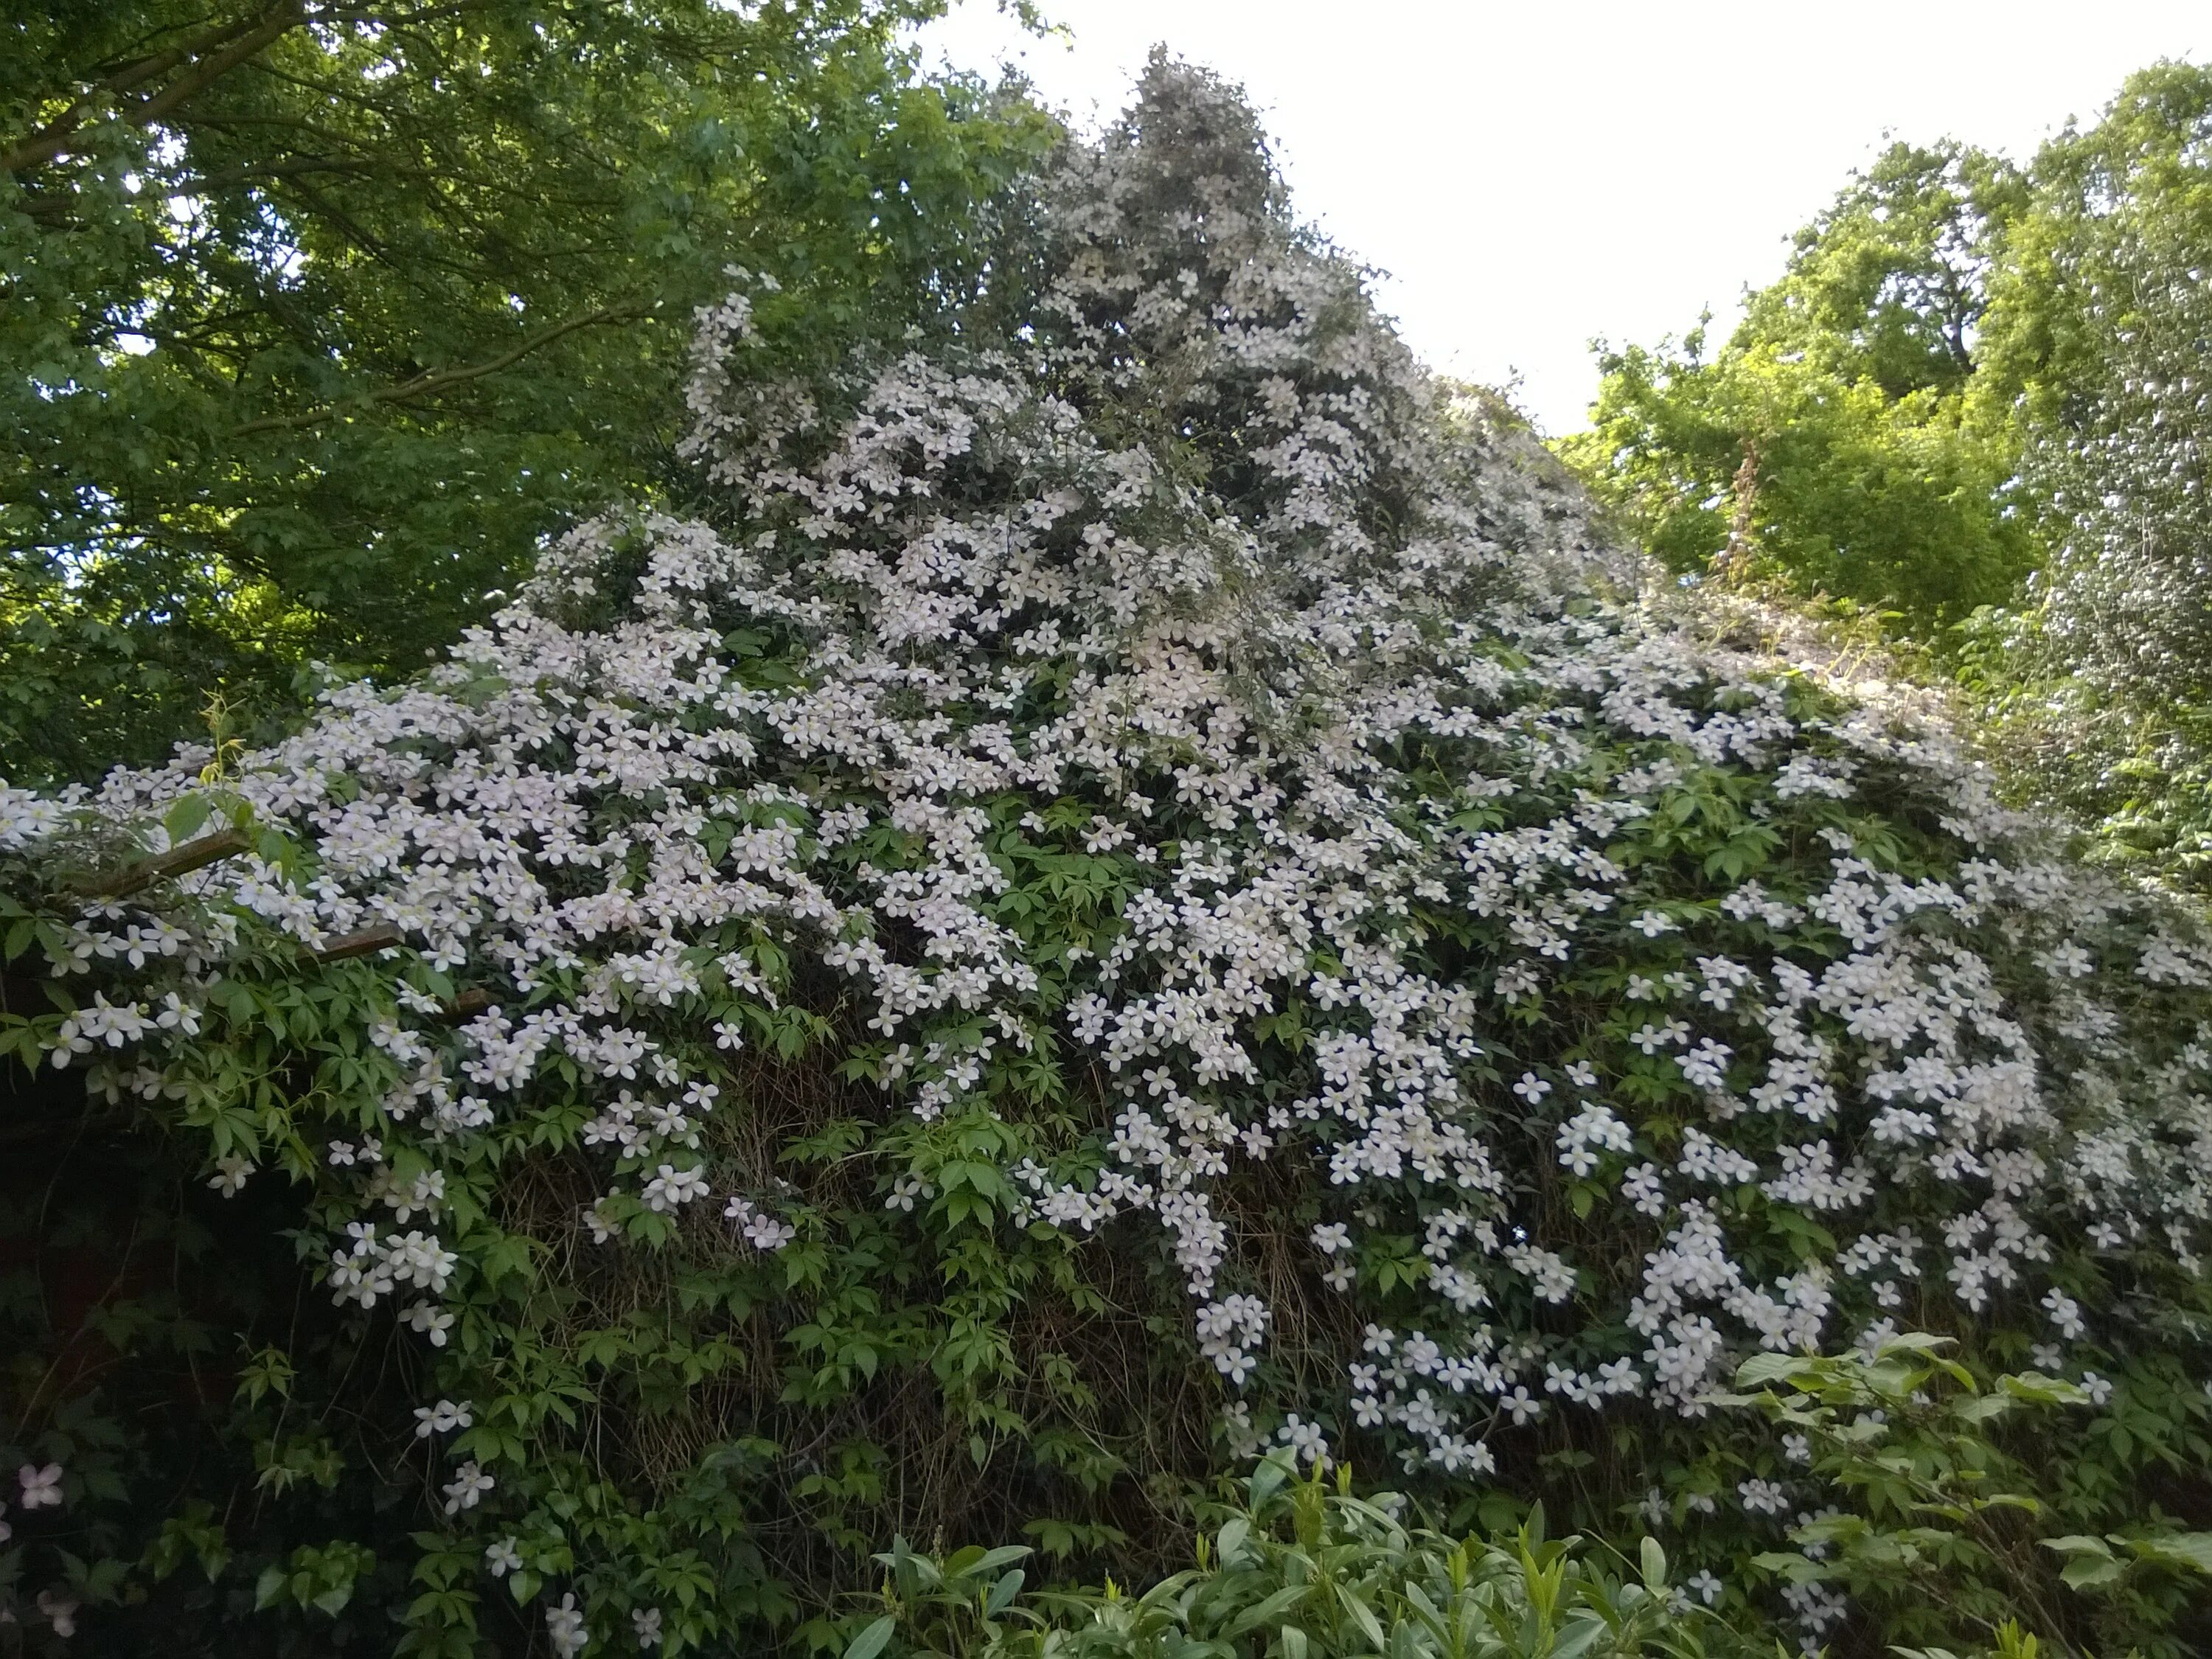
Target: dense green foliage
[(1293, 1568), (1935, 1514), (315, 320)]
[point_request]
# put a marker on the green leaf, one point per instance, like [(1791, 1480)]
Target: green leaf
[(1762, 1369), (2091, 1561), (1003, 1592), (1655, 1566), (1231, 1539), (1267, 1479), (2039, 1390), (1362, 1615), (2180, 1549), (1266, 1612), (184, 819), (874, 1639)]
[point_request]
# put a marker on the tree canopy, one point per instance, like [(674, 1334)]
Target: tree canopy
[(317, 319), (1968, 413), (1829, 441)]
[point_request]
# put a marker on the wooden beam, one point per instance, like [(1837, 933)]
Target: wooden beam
[(365, 943), (467, 1005), (166, 866)]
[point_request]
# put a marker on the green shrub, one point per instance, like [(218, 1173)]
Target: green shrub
[(1293, 1568)]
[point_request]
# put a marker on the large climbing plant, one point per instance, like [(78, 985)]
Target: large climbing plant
[(1142, 887)]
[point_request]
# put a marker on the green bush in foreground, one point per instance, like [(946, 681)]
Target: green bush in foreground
[(1294, 1567)]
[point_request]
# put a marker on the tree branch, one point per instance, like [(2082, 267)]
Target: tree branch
[(225, 50), (366, 943), (432, 382)]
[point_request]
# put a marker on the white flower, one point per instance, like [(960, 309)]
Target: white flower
[(60, 1612), (1763, 1497), (442, 1419), (671, 1187), (564, 1626), (1305, 1439), (230, 1175), (503, 1556), (762, 1231), (469, 1485), (42, 1488), (1523, 1404), (2066, 1313), (1703, 1585), (430, 1320), (646, 1622)]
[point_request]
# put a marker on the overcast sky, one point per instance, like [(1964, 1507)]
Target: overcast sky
[(1531, 175)]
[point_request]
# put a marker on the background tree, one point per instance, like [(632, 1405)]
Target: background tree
[(1972, 406), (308, 311), (1828, 443), (2143, 163), (2129, 589), (1890, 282)]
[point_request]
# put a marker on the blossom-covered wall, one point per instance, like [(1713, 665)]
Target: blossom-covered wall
[(1143, 884)]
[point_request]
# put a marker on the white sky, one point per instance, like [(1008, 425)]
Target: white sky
[(1532, 175)]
